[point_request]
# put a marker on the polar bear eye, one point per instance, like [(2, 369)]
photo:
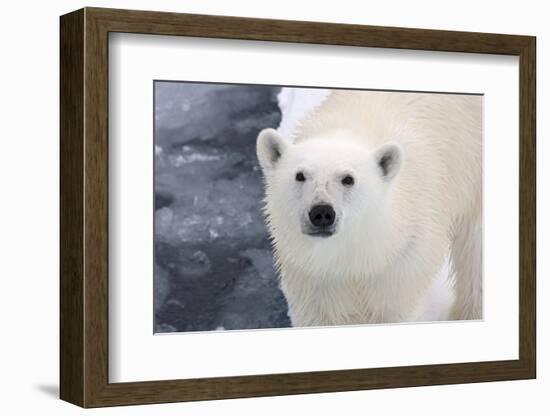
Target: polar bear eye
[(348, 180), (300, 177)]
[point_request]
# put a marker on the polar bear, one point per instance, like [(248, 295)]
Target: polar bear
[(366, 199)]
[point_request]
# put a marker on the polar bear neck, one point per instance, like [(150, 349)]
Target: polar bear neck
[(352, 283)]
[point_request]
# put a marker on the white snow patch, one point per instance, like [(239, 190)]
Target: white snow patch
[(295, 104), (194, 157)]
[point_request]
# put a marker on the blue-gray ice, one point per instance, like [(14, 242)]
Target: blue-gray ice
[(213, 261)]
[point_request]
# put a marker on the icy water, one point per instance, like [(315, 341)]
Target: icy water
[(213, 261)]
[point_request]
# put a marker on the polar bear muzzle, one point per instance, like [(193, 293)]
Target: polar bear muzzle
[(322, 219), (322, 216)]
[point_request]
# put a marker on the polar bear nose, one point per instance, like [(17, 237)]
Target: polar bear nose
[(322, 215)]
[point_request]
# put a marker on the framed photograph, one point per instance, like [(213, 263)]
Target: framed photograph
[(255, 207)]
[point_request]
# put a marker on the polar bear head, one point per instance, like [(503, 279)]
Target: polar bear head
[(325, 186)]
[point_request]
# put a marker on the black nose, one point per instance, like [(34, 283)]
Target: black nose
[(322, 215)]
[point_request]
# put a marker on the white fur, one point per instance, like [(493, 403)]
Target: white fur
[(393, 232)]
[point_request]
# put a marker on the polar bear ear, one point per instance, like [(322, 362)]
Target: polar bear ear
[(270, 146), (388, 158)]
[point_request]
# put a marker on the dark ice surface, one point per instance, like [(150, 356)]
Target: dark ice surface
[(213, 261)]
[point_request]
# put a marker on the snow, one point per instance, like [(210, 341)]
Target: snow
[(295, 104)]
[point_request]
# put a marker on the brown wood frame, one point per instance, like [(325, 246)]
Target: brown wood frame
[(84, 208)]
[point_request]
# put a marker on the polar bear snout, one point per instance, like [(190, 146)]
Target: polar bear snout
[(322, 221), (322, 216)]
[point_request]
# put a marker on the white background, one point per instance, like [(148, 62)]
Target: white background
[(136, 355), (29, 220)]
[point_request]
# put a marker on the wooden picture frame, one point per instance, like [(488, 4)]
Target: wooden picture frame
[(84, 207)]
